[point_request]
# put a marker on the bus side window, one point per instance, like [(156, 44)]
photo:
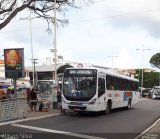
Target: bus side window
[(125, 85), (101, 86), (136, 86), (115, 83), (128, 85), (109, 82), (121, 84), (132, 85)]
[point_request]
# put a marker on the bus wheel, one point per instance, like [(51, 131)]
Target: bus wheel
[(129, 105), (63, 111), (108, 108), (80, 112)]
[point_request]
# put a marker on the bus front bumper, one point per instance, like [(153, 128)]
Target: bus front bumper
[(78, 108)]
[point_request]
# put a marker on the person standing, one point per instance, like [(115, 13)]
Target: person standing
[(33, 99), (59, 100), (29, 97)]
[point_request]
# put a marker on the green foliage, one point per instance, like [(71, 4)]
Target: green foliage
[(150, 79), (155, 60)]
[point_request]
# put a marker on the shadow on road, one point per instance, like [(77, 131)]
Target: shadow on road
[(95, 114)]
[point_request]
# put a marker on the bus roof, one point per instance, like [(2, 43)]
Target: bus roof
[(109, 72)]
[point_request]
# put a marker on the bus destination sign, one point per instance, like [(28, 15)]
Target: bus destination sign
[(81, 72)]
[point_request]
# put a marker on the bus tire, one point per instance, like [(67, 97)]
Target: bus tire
[(108, 108), (129, 105), (80, 112), (63, 111)]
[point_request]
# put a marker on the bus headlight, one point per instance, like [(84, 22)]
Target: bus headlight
[(93, 101), (63, 101)]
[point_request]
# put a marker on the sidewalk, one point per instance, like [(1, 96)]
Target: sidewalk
[(34, 115), (41, 114), (153, 131)]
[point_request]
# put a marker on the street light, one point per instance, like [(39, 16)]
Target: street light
[(55, 35), (55, 40), (54, 60), (112, 56), (30, 27), (34, 62), (142, 66)]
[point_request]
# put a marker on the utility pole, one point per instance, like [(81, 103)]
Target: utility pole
[(34, 63), (142, 67), (55, 35), (55, 41), (30, 24), (31, 42), (54, 60), (112, 56)]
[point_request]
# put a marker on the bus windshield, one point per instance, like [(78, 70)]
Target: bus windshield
[(79, 85)]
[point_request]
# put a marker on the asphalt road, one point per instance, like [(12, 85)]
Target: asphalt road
[(119, 124)]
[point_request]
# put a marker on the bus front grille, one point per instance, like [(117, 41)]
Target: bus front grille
[(77, 108)]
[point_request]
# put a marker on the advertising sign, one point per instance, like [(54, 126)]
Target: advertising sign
[(14, 62)]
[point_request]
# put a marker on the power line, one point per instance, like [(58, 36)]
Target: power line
[(100, 1), (91, 19), (114, 16), (22, 29)]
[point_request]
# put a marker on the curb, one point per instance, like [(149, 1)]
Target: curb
[(146, 130), (28, 119)]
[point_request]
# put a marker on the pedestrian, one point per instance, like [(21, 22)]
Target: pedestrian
[(12, 93), (33, 99), (9, 93), (29, 97), (59, 100)]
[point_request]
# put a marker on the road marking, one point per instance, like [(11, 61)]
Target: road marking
[(57, 131), (146, 130), (28, 119)]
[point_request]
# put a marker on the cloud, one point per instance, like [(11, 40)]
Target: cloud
[(93, 34), (143, 14), (125, 59)]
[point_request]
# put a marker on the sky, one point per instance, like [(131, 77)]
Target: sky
[(106, 33)]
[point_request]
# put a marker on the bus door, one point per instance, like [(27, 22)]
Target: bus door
[(101, 93)]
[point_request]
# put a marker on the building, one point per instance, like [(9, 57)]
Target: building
[(47, 72), (132, 72)]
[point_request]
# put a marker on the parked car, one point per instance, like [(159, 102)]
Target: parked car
[(155, 92), (146, 92)]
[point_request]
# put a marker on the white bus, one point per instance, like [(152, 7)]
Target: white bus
[(88, 89)]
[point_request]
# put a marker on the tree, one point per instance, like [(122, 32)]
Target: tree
[(150, 79), (155, 60), (42, 8)]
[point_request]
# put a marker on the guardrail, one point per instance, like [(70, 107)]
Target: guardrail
[(12, 109)]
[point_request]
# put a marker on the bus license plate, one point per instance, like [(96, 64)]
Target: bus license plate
[(77, 110)]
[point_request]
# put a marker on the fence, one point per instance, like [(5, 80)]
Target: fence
[(12, 109)]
